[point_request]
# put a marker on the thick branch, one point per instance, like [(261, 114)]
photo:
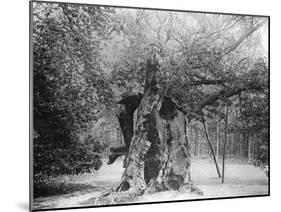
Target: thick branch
[(206, 82), (224, 94), (244, 37), (201, 80)]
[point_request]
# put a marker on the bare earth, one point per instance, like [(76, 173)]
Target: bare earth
[(241, 179)]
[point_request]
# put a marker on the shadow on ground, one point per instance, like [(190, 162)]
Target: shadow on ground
[(62, 188)]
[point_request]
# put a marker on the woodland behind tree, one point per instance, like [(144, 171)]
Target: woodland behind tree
[(88, 61)]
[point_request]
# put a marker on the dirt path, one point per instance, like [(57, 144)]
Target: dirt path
[(241, 180), (107, 177)]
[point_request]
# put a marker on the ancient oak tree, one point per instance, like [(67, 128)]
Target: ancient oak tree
[(158, 156)]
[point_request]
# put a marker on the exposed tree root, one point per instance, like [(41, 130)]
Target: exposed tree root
[(112, 196), (115, 198), (190, 188)]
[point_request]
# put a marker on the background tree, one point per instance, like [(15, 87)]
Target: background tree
[(69, 87)]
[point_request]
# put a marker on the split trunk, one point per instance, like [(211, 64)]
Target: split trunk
[(158, 156)]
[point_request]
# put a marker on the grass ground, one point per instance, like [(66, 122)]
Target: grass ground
[(241, 179)]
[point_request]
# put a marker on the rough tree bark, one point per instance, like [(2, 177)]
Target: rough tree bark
[(159, 158)]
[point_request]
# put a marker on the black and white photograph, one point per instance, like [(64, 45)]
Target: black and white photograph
[(135, 105)]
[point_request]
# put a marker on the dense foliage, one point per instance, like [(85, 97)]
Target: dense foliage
[(69, 87)]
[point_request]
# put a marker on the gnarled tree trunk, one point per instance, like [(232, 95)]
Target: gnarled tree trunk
[(159, 157)]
